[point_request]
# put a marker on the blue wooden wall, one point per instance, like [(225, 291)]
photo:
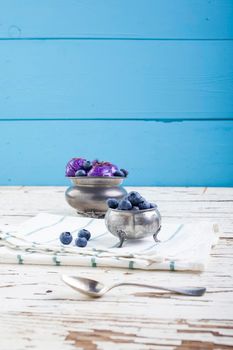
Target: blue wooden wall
[(147, 84)]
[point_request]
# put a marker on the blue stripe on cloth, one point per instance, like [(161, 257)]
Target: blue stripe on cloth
[(172, 266), (46, 226)]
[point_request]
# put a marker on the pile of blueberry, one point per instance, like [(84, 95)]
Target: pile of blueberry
[(83, 167), (81, 240), (132, 201)]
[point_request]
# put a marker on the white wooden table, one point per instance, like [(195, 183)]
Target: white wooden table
[(39, 312)]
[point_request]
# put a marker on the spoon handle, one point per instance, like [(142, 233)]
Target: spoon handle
[(194, 291)]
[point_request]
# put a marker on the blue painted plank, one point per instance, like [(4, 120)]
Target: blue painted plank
[(186, 19), (116, 79), (155, 153)]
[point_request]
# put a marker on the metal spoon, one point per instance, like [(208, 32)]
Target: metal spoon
[(96, 289)]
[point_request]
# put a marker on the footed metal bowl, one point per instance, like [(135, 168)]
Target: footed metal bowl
[(133, 224), (89, 194)]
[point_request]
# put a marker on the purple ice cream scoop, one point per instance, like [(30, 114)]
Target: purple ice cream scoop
[(102, 169), (73, 165)]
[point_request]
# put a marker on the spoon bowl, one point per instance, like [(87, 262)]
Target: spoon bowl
[(96, 289), (84, 285)]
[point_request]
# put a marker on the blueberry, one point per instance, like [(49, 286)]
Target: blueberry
[(144, 205), (119, 173), (80, 173), (112, 203), (135, 198), (84, 233), (87, 165), (81, 242), (66, 237), (152, 205), (124, 204), (125, 172)]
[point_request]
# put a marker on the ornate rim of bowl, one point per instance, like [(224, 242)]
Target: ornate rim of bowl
[(134, 212), (96, 180)]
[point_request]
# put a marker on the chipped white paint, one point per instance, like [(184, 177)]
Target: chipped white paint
[(38, 311)]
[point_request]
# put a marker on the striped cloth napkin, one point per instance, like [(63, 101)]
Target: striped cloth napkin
[(36, 241)]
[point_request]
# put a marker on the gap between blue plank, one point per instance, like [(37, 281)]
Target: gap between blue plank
[(117, 119), (118, 38)]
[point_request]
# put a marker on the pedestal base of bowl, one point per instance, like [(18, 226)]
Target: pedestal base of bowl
[(123, 237), (92, 214)]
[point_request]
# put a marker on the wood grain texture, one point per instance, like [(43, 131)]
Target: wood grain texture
[(139, 19), (116, 79), (39, 311), (181, 153), (160, 60)]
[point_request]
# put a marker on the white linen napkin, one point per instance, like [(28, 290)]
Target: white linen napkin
[(36, 241)]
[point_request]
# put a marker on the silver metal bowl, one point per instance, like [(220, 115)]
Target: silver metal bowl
[(89, 194), (133, 224)]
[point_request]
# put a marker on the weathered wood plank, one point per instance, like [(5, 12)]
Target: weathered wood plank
[(38, 310), (179, 19), (201, 204), (187, 153), (138, 79), (180, 194)]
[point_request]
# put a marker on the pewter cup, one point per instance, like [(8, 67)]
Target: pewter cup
[(133, 224), (89, 194)]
